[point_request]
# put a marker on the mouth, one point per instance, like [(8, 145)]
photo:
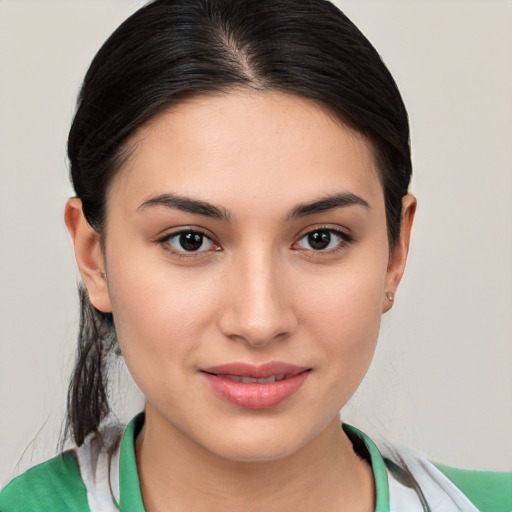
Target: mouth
[(256, 386), (251, 380)]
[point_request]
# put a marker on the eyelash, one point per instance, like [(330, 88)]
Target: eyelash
[(344, 239), (182, 253)]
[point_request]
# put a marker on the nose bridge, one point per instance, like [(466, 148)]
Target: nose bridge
[(257, 308)]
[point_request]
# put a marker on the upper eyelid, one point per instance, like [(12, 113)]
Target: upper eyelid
[(345, 238), (324, 227), (165, 234)]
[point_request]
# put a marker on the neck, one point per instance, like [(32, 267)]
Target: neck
[(178, 475)]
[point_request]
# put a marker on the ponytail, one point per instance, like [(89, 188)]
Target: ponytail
[(87, 402)]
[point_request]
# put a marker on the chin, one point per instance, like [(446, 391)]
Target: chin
[(261, 442), (257, 452)]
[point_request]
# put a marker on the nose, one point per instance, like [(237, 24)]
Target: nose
[(258, 301)]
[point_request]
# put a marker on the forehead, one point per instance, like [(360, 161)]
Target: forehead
[(244, 146)]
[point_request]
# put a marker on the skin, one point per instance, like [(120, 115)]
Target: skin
[(258, 292)]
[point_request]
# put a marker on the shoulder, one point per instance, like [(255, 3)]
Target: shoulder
[(445, 487), (84, 479), (423, 485), (53, 486), (490, 491)]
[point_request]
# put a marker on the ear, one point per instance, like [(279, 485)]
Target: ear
[(398, 256), (88, 254)]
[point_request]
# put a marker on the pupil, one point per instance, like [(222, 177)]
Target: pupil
[(319, 239), (191, 241)]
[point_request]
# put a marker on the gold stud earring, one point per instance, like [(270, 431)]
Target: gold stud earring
[(390, 296)]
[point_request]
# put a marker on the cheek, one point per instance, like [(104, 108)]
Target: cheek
[(158, 327), (344, 317), (158, 313), (347, 301)]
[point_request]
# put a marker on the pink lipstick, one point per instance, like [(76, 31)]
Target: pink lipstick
[(256, 386)]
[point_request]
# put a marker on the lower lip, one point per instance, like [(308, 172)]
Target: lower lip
[(256, 395)]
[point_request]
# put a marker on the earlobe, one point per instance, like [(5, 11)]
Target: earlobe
[(398, 256), (88, 255)]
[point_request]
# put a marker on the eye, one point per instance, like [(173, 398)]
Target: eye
[(323, 240), (190, 241)]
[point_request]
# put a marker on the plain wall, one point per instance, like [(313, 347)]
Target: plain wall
[(441, 381)]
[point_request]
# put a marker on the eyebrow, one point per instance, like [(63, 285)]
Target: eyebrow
[(186, 204), (326, 204), (198, 207)]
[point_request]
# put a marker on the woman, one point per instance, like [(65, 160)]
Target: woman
[(241, 223)]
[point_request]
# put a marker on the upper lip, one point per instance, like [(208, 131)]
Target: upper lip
[(256, 371)]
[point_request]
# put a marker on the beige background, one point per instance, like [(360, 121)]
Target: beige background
[(441, 381)]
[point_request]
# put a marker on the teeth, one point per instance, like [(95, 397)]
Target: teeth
[(253, 380), (268, 379), (249, 380), (236, 378)]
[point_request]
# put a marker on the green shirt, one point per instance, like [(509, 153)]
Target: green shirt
[(96, 478)]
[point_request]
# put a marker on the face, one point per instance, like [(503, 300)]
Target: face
[(247, 264)]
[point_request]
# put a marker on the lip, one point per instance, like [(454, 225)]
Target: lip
[(241, 385)]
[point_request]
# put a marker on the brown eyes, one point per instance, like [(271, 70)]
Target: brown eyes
[(323, 240), (192, 241)]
